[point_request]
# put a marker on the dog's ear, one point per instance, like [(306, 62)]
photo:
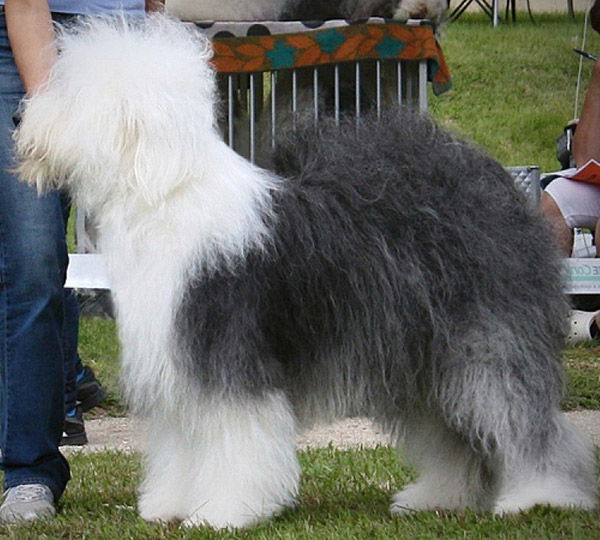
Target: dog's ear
[(156, 151), (31, 167), (34, 162)]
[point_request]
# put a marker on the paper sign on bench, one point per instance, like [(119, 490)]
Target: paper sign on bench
[(582, 276), (87, 271)]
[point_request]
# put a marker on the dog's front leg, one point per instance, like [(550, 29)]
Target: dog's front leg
[(230, 463)]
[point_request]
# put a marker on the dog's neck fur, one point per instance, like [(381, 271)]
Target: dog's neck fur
[(225, 208), (216, 216)]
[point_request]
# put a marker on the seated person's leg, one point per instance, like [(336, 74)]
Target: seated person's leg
[(568, 204), (562, 233)]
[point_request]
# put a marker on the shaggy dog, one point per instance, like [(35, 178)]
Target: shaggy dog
[(389, 270)]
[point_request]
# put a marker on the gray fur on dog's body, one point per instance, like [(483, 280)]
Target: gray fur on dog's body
[(406, 279), (402, 263), (389, 270)]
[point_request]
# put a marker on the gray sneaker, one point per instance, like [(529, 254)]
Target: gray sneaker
[(27, 502)]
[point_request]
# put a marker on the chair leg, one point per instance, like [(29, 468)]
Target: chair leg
[(531, 14)]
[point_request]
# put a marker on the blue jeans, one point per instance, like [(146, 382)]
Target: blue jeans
[(33, 261)]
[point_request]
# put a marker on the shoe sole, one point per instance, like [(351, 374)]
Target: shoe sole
[(74, 440)]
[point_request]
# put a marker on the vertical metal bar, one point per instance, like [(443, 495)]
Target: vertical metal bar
[(273, 106), (230, 111), (423, 85), (294, 98), (252, 118), (399, 81), (316, 94), (336, 93), (357, 90), (378, 87)]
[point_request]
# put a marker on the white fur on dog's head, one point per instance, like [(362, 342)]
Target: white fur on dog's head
[(117, 102)]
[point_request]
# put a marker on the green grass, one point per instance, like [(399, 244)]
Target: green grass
[(583, 370), (513, 86), (344, 495), (99, 347)]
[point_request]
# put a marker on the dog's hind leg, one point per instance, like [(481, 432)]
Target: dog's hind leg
[(559, 471), (451, 475), (238, 463), (500, 392)]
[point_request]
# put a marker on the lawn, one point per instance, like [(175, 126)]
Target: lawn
[(343, 495), (513, 91), (514, 86)]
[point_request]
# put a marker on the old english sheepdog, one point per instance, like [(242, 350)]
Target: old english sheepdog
[(387, 270)]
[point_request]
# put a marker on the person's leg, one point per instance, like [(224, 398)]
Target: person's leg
[(33, 261), (82, 388), (562, 233), (74, 426), (568, 204), (72, 361), (70, 330)]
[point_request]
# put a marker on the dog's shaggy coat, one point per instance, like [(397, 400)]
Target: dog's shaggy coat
[(388, 270)]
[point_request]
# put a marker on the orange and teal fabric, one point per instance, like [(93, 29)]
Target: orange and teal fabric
[(331, 45)]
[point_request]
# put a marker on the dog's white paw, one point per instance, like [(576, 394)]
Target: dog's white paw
[(198, 519), (227, 517), (158, 513), (429, 496), (413, 498), (550, 492)]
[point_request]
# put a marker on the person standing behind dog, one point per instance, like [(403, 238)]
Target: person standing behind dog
[(33, 261)]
